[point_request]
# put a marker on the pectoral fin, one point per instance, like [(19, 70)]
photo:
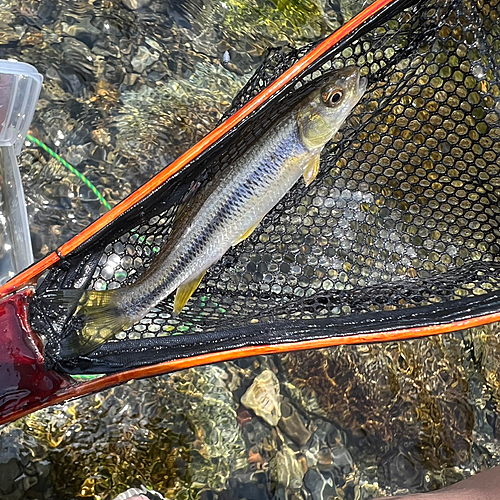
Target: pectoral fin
[(247, 233), (185, 291), (311, 170)]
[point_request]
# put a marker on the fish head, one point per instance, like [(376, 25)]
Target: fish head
[(324, 111)]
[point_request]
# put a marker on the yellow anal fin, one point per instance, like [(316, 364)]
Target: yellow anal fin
[(311, 170), (185, 291), (246, 234)]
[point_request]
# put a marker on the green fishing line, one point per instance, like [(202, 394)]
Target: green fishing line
[(72, 169), (83, 378)]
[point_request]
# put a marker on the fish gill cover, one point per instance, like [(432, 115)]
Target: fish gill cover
[(398, 230)]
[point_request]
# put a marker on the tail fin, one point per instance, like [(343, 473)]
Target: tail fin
[(97, 318)]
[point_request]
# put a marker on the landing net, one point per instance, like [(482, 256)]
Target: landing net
[(399, 230)]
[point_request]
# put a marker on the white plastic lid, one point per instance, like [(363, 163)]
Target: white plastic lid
[(20, 85)]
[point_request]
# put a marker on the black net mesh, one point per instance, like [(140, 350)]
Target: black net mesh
[(399, 229)]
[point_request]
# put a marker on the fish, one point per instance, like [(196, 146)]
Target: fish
[(221, 214)]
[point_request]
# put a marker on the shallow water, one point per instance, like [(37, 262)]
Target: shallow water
[(128, 87)]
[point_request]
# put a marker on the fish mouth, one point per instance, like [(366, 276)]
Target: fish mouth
[(353, 79)]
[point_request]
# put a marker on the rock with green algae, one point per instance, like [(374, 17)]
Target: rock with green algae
[(273, 23), (177, 434)]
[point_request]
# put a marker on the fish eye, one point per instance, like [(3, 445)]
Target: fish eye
[(331, 97)]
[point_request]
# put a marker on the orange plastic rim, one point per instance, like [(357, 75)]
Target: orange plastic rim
[(92, 386)]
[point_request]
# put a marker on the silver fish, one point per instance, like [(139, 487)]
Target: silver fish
[(224, 212)]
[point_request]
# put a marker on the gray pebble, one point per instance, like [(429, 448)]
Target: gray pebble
[(136, 4)]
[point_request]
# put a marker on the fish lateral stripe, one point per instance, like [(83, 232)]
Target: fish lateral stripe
[(261, 293), (405, 292)]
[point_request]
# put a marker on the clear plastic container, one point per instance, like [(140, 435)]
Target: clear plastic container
[(20, 86)]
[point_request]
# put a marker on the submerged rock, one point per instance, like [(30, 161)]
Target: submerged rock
[(285, 469), (292, 425), (406, 406), (263, 397), (24, 468), (416, 390), (136, 4), (318, 487), (176, 434), (143, 59), (141, 493)]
